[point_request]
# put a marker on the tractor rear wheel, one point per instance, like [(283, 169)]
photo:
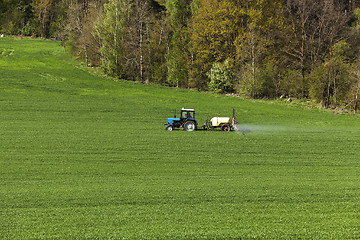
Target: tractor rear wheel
[(225, 127), (169, 128), (189, 126)]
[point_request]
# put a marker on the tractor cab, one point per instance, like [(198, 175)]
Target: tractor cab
[(186, 121), (187, 114)]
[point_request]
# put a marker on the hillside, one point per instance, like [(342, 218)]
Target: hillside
[(86, 157)]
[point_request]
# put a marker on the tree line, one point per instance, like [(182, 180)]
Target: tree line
[(254, 48)]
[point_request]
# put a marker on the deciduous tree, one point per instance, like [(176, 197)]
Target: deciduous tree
[(110, 29), (214, 30), (316, 27), (331, 82), (179, 12)]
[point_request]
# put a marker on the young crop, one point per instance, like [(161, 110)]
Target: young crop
[(87, 157)]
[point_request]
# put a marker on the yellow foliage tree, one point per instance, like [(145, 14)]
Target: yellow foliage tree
[(215, 27), (43, 11), (231, 30)]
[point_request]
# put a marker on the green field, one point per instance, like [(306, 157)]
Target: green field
[(83, 157)]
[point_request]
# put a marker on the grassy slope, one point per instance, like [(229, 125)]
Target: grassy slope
[(85, 157)]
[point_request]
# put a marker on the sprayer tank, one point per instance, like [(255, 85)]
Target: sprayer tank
[(218, 121)]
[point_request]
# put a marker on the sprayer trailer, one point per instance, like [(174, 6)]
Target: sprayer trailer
[(188, 123), (218, 122)]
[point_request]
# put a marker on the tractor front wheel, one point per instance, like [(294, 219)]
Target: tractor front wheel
[(169, 128), (189, 126), (225, 128)]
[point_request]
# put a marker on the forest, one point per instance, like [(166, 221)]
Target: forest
[(306, 49)]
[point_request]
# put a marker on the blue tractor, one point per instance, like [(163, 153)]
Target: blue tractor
[(186, 121)]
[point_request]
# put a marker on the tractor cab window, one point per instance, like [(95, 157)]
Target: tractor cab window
[(187, 115)]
